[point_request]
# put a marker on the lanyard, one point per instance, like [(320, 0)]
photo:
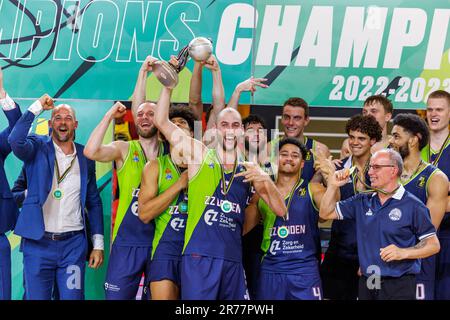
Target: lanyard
[(356, 177), (441, 150), (291, 195), (59, 177), (223, 186)]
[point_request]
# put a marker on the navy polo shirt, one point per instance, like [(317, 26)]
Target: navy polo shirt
[(403, 220)]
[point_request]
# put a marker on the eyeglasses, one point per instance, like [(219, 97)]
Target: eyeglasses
[(376, 167)]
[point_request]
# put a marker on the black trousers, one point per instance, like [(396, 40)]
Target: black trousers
[(402, 288), (339, 278)]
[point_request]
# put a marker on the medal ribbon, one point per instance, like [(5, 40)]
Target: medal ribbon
[(65, 173), (223, 184), (291, 195), (441, 150)]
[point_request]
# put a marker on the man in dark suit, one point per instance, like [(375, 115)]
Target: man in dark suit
[(61, 187), (8, 208)]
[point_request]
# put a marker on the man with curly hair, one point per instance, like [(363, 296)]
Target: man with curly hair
[(339, 269)]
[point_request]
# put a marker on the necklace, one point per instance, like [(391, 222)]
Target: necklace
[(405, 177)]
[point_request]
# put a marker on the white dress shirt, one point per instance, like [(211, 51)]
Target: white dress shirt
[(65, 215), (7, 103)]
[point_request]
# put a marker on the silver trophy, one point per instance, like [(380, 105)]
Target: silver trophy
[(199, 49)]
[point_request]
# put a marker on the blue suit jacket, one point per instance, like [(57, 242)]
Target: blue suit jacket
[(8, 207), (38, 154), (19, 187)]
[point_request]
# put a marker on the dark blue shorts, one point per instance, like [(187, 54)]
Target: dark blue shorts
[(166, 270), (125, 268), (425, 280), (206, 278), (281, 286)]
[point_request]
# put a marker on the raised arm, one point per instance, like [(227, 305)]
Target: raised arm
[(247, 85), (437, 197), (150, 203), (218, 93), (192, 150), (139, 95), (195, 91), (24, 145), (114, 151), (264, 187), (327, 209)]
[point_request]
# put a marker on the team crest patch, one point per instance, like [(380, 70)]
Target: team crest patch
[(421, 182), (302, 192), (395, 214), (168, 174), (136, 156), (308, 156)]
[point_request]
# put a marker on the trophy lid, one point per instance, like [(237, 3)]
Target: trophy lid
[(200, 49)]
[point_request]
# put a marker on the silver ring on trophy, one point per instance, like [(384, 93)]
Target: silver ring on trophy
[(199, 49)]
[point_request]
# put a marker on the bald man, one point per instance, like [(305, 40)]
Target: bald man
[(61, 191)]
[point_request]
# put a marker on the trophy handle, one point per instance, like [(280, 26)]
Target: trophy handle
[(182, 57)]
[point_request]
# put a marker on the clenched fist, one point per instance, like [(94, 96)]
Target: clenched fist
[(47, 102), (148, 64), (117, 111)]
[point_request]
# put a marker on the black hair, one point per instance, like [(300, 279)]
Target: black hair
[(295, 142), (183, 111), (415, 125), (254, 118), (364, 124)]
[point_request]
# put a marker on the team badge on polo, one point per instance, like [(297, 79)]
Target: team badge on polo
[(226, 206), (283, 232), (57, 194), (395, 214)]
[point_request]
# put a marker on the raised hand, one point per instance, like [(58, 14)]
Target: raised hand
[(184, 179), (174, 61), (211, 63), (251, 84), (253, 173), (339, 178), (118, 110), (47, 102), (148, 64)]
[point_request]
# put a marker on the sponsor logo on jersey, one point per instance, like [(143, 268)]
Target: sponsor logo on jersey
[(210, 217), (274, 247), (395, 214), (177, 224), (284, 231), (369, 213), (225, 205)]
